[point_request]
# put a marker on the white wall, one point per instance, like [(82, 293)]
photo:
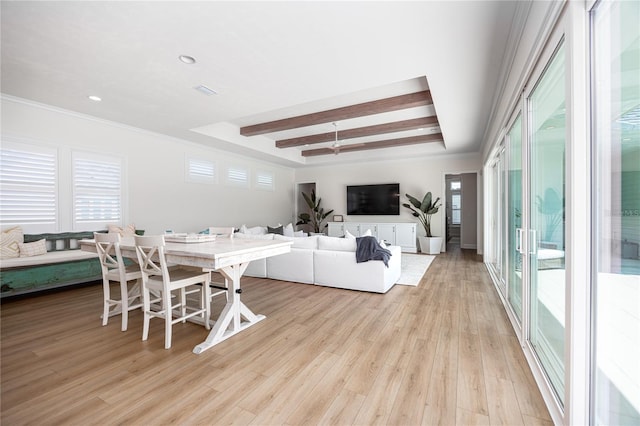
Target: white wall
[(415, 177), (158, 196)]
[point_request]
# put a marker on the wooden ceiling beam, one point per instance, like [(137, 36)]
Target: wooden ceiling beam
[(394, 103), (360, 132), (411, 140)]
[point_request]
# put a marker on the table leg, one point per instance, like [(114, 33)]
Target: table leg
[(230, 321)]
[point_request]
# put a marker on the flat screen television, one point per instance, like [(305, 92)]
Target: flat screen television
[(381, 199)]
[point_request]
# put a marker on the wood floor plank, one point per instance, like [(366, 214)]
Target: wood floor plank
[(529, 398), (502, 402), (466, 417), (344, 409), (378, 404), (408, 407), (441, 402), (472, 394), (535, 421), (440, 353), (291, 394)]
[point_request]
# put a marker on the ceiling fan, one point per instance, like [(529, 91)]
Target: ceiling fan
[(336, 144)]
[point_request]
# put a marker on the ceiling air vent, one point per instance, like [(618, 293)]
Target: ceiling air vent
[(205, 90)]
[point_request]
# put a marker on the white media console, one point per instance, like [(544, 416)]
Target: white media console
[(396, 234)]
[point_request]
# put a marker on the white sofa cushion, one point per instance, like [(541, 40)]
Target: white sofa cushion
[(257, 268), (337, 244), (47, 258), (310, 243), (296, 266), (340, 269)]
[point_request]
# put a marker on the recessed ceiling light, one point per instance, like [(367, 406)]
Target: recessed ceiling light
[(187, 59), (205, 90), (95, 98)]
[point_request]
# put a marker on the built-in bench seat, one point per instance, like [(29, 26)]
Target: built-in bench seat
[(45, 259), (64, 264)]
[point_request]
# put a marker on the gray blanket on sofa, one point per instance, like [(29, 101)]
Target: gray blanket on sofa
[(368, 248)]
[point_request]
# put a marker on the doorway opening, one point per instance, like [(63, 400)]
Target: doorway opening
[(461, 212)]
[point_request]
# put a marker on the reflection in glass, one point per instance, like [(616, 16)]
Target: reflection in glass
[(616, 195), (547, 235)]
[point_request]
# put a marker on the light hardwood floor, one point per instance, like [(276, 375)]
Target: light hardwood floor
[(441, 353)]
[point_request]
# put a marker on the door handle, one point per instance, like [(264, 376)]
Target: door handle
[(533, 242), (519, 240)]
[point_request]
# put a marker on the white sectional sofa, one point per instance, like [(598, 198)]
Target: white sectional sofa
[(326, 261)]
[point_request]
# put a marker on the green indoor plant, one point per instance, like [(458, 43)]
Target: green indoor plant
[(316, 216), (423, 210)]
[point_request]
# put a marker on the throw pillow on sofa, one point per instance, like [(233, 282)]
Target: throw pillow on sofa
[(35, 248), (9, 242), (256, 230), (127, 231), (288, 230), (277, 230), (348, 234)]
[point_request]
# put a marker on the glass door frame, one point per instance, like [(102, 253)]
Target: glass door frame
[(572, 29), (569, 21), (518, 323)]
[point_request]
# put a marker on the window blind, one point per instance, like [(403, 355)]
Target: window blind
[(238, 176), (28, 190), (201, 170), (97, 190), (264, 180)]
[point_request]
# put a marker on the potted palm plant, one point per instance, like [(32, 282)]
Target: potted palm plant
[(423, 210), (316, 216)]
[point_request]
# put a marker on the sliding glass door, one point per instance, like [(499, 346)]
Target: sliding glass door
[(546, 234), (497, 249), (616, 215), (514, 218)]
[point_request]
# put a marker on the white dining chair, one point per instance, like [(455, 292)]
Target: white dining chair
[(114, 269), (157, 278)]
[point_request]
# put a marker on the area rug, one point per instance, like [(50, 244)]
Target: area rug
[(413, 268)]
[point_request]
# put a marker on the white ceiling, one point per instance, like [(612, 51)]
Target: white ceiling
[(265, 60)]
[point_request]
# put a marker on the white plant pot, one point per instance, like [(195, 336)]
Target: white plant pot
[(430, 245)]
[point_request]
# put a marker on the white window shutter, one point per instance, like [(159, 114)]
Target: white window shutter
[(97, 190), (28, 186), (200, 171), (265, 180), (238, 176)]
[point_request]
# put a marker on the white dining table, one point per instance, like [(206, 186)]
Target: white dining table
[(230, 257)]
